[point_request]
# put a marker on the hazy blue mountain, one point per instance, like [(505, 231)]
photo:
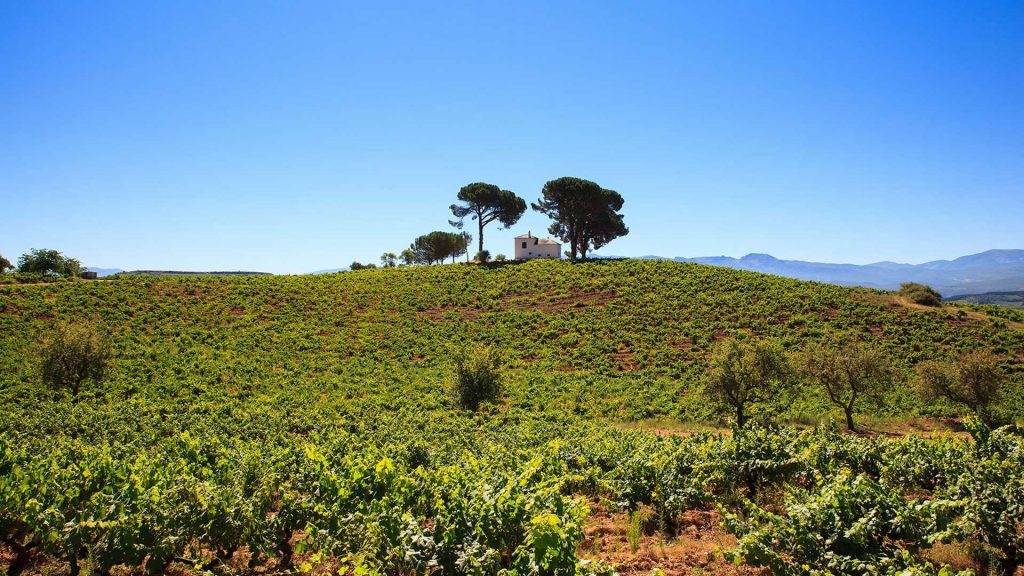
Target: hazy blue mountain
[(990, 271), (101, 272)]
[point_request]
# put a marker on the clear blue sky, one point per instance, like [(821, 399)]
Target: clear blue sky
[(294, 136)]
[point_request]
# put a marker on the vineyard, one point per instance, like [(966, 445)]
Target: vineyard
[(304, 424)]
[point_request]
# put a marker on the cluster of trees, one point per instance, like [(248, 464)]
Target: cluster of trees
[(427, 249), (585, 216), (437, 246), (45, 262), (750, 376)]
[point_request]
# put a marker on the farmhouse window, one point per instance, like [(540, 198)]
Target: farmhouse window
[(524, 244)]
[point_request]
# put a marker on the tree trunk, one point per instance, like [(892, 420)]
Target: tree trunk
[(480, 242), (572, 241), (285, 548), (848, 411), (1008, 564), (21, 558), (741, 419)]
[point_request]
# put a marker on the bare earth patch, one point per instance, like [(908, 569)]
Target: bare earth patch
[(696, 549)]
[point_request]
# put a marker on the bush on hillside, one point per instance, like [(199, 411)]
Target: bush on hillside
[(482, 256), (476, 378), (500, 258), (72, 355), (920, 294)]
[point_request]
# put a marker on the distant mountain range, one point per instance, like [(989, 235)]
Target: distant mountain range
[(101, 272), (976, 274), (990, 271)]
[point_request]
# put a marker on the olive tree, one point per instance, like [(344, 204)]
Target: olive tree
[(5, 265), (72, 355), (973, 380), (746, 374), (847, 372)]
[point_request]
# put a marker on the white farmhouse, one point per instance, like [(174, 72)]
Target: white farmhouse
[(529, 246)]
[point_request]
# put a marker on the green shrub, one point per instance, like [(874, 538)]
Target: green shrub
[(920, 294), (482, 256), (500, 258), (73, 354), (477, 379)]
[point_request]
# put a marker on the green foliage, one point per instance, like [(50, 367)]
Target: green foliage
[(388, 260), (975, 380), (477, 378), (48, 262), (585, 215), (482, 256), (635, 529), (500, 257), (920, 294), (358, 266), (746, 375), (486, 203), (847, 524), (437, 246), (72, 355), (5, 265), (846, 371), (308, 419)]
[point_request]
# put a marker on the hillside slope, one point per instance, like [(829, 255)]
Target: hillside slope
[(277, 425), (625, 339)]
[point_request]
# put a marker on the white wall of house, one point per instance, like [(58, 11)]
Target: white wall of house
[(529, 246)]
